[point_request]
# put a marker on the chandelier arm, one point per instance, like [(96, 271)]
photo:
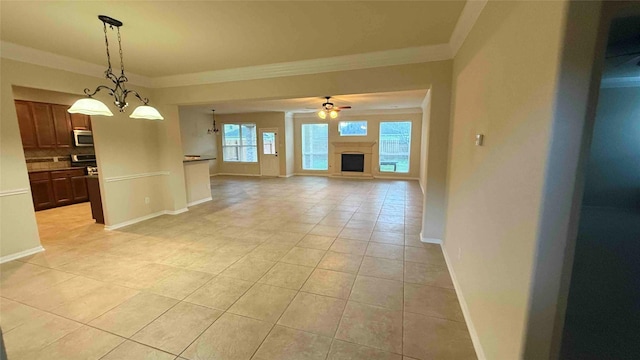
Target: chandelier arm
[(111, 76), (144, 100), (88, 92)]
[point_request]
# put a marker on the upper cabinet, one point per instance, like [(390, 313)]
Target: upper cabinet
[(27, 125), (80, 122), (62, 124), (46, 126)]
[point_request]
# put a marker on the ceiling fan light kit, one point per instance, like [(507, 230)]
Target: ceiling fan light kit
[(328, 109), (91, 106)]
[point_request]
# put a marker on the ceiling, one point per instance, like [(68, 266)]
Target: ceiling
[(163, 38), (360, 103)]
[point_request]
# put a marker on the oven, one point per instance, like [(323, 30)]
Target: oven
[(82, 138)]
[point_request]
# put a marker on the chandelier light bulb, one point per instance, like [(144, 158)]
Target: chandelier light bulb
[(322, 114), (333, 114)]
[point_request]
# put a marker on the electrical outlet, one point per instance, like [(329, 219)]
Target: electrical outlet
[(147, 200)]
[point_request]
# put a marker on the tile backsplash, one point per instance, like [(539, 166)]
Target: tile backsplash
[(51, 159)]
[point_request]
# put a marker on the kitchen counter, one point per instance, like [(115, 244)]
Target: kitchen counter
[(60, 169), (193, 158)]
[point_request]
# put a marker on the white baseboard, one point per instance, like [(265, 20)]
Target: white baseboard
[(232, 174), (465, 309), (430, 240), (387, 177), (312, 174), (21, 254), (176, 212), (286, 176), (197, 202), (143, 218)]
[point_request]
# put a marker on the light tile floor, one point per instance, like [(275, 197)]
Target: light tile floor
[(298, 268)]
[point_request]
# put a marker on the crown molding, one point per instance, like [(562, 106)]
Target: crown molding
[(620, 82), (33, 56), (470, 14), (412, 55)]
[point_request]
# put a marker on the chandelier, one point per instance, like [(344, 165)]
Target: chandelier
[(213, 130), (91, 106)]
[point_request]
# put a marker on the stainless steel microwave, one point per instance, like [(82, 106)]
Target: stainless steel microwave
[(82, 138)]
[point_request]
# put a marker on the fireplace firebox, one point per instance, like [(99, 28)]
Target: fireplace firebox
[(353, 162)]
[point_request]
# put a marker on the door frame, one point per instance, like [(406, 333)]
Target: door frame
[(261, 148)]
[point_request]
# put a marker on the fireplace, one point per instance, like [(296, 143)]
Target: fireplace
[(352, 162)]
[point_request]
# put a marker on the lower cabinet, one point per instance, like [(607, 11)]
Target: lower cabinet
[(79, 188), (58, 188), (41, 191)]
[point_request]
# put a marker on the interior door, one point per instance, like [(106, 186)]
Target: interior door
[(269, 163)]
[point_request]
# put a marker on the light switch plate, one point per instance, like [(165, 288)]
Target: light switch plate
[(479, 139)]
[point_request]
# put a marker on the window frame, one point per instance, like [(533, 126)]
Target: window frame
[(241, 143), (302, 143), (409, 146), (366, 131)]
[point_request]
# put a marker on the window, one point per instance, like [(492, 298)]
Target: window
[(315, 146), (395, 146), (352, 128), (239, 143)]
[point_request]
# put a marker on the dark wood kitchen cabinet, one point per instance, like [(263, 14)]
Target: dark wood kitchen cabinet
[(41, 190), (79, 188), (47, 126), (80, 122), (58, 188), (26, 124), (62, 190), (62, 125)]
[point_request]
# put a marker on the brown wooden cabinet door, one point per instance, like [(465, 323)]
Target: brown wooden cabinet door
[(42, 194), (62, 190), (79, 188), (80, 122), (62, 123), (45, 129), (26, 124)]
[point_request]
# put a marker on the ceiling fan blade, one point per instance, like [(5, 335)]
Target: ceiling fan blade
[(344, 107)]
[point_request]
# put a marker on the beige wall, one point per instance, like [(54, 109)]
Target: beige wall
[(263, 120), (373, 135), (504, 79), (195, 139), (289, 129)]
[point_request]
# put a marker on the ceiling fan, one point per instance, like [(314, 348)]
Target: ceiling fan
[(328, 108)]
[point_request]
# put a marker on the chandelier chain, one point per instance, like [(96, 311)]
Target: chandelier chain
[(121, 58), (106, 42)]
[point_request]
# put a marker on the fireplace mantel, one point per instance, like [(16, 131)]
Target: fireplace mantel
[(353, 143), (352, 147)]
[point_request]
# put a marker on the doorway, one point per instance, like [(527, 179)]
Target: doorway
[(269, 162), (603, 308)]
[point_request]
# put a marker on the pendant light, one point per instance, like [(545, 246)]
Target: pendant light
[(213, 130), (91, 106)]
